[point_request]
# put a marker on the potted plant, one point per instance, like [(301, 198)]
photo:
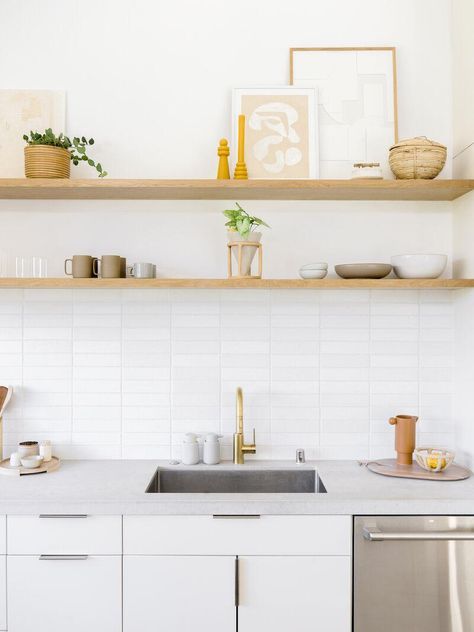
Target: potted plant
[(50, 156), (242, 228)]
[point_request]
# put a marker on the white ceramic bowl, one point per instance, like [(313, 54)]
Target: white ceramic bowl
[(433, 459), (419, 266), (312, 274), (31, 462), (315, 266)]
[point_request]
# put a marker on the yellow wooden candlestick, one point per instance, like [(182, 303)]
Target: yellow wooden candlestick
[(240, 172), (223, 151)]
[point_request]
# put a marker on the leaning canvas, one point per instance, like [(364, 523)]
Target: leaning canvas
[(357, 99), (20, 112), (281, 133)]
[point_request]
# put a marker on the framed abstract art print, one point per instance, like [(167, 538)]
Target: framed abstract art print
[(281, 132)]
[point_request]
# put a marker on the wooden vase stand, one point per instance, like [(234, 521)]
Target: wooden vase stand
[(240, 245)]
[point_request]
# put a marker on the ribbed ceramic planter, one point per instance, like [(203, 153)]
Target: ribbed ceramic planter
[(45, 161)]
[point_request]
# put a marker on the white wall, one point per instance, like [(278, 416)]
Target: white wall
[(463, 225), (151, 81), (463, 88)]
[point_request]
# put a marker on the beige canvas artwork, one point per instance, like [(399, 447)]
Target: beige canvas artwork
[(280, 135), (20, 112)]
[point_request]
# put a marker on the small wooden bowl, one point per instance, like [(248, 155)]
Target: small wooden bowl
[(433, 459)]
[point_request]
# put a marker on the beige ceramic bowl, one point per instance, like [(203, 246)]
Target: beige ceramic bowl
[(363, 270)]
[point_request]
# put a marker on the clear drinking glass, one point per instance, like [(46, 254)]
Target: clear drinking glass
[(40, 267), (3, 265), (23, 267)]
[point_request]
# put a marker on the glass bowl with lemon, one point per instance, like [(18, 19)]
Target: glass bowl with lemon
[(433, 459)]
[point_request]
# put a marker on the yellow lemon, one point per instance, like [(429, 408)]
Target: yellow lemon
[(433, 461)]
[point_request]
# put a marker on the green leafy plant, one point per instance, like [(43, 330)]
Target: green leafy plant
[(241, 222), (76, 147)]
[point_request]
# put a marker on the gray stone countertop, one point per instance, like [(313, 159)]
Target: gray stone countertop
[(118, 487)]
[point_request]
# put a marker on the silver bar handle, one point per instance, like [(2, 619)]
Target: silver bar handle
[(62, 557), (236, 583), (63, 515), (236, 516), (375, 535)]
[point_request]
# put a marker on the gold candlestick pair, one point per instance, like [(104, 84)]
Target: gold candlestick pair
[(240, 172)]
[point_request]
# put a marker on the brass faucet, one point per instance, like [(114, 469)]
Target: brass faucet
[(240, 447)]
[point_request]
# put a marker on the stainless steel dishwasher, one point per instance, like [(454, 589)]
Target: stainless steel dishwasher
[(414, 574)]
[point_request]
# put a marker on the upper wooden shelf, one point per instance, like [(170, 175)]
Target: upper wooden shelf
[(216, 284), (418, 190)]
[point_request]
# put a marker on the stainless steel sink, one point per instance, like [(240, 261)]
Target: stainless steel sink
[(238, 481)]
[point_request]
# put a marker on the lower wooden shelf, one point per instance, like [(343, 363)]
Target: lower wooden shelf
[(215, 284)]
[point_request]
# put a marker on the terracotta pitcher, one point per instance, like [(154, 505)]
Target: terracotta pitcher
[(405, 436)]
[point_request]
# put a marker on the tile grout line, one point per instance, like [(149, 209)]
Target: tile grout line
[(72, 367), (122, 442), (169, 298), (270, 369), (369, 434), (318, 440)]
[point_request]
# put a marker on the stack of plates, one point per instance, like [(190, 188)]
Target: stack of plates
[(314, 271)]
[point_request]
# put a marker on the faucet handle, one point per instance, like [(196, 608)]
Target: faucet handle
[(253, 440)]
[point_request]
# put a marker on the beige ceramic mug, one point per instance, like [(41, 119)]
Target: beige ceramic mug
[(81, 267), (110, 266)]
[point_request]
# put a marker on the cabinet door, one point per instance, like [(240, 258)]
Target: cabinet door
[(307, 593), (3, 592), (64, 594), (163, 593)]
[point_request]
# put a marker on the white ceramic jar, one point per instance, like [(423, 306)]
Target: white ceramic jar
[(212, 449), (190, 455), (45, 451)]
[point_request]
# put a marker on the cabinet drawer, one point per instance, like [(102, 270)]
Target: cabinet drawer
[(65, 593), (64, 534), (3, 535), (219, 535)]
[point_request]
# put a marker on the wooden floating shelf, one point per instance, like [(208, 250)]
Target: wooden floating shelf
[(216, 284), (395, 190)]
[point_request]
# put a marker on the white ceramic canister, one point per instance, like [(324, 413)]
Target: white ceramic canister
[(212, 449), (190, 455), (45, 451), (28, 448), (15, 460)]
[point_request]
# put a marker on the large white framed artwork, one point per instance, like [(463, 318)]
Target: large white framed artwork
[(357, 104), (281, 132), (20, 112)]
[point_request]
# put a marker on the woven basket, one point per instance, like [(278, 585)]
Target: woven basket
[(417, 158), (45, 161)]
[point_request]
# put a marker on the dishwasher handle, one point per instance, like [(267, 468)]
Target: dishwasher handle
[(375, 535)]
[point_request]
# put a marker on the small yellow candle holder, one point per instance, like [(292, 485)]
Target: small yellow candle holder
[(240, 273)]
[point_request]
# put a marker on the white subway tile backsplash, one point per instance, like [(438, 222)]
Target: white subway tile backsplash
[(123, 374)]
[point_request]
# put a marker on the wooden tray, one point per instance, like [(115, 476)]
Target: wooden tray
[(390, 467), (50, 466)]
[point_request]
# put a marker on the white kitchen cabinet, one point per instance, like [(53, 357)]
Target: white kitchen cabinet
[(3, 592), (163, 593), (304, 593), (292, 572), (76, 594)]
